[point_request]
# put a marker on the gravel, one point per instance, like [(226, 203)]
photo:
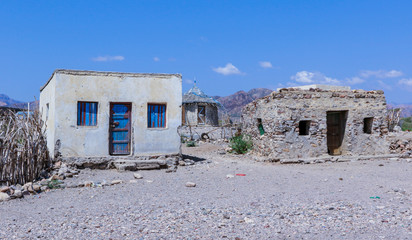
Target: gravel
[(344, 200)]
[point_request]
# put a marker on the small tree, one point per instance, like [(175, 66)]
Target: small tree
[(406, 124), (393, 118), (241, 143)]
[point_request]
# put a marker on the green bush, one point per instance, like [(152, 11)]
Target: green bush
[(406, 124), (190, 144), (241, 144)]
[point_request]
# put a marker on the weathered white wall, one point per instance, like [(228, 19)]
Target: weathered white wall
[(191, 114), (47, 96), (104, 88)]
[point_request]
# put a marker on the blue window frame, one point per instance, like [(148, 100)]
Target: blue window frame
[(86, 113), (156, 115)]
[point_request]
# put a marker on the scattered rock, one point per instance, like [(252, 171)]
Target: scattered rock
[(88, 183), (17, 194), (4, 189), (56, 177), (116, 182), (36, 187), (137, 176), (221, 152), (190, 184), (4, 196)]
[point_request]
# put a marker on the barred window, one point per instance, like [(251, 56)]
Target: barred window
[(156, 115), (86, 113)]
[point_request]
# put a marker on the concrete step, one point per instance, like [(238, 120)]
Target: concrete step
[(135, 165)]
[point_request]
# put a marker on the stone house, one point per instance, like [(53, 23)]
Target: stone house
[(308, 122), (199, 109), (102, 116)]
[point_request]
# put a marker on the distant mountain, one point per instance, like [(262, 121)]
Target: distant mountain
[(235, 102), (6, 101), (406, 108)]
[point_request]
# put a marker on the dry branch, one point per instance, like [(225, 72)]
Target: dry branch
[(23, 148)]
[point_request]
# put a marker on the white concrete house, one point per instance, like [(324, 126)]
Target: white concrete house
[(103, 116)]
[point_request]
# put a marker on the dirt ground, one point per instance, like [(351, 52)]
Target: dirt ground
[(234, 198)]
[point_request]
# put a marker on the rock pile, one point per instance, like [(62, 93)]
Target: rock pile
[(401, 146), (60, 171)]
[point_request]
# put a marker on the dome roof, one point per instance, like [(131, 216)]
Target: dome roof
[(195, 95)]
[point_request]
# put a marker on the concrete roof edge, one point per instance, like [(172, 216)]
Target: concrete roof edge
[(103, 73)]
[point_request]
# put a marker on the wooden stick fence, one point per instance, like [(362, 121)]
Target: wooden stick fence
[(23, 148)]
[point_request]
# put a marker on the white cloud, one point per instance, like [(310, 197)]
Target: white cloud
[(189, 81), (313, 78), (354, 80), (381, 73), (108, 58), (229, 69), (406, 82), (265, 64), (156, 59)]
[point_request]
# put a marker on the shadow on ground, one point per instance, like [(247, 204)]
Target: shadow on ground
[(193, 158)]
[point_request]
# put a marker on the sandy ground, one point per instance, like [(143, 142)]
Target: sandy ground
[(350, 200)]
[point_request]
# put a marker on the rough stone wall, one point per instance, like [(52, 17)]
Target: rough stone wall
[(211, 115), (280, 113), (191, 110)]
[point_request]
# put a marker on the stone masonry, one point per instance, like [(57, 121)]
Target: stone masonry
[(275, 123)]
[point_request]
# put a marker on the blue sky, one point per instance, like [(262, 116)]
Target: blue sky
[(226, 45)]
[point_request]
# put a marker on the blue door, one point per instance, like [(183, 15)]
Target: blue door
[(120, 119)]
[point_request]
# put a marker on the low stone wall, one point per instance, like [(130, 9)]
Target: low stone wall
[(280, 113), (213, 133), (144, 162)]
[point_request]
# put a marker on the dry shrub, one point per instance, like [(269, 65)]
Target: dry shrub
[(23, 148)]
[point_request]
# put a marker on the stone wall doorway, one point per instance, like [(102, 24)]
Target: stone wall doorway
[(336, 124)]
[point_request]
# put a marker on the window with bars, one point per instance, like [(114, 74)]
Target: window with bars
[(156, 115), (86, 113)]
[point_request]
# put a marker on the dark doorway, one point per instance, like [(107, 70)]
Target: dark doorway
[(336, 124), (120, 119)]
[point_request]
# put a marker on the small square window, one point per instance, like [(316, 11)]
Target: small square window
[(156, 115), (367, 125), (304, 127), (86, 113)]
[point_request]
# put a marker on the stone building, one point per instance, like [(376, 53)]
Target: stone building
[(199, 109), (104, 116), (295, 123)]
